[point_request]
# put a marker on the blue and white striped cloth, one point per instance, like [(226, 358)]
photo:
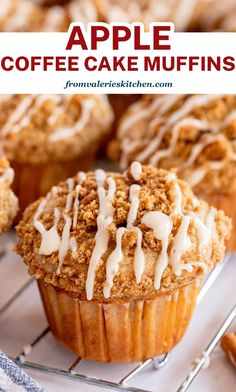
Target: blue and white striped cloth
[(13, 379)]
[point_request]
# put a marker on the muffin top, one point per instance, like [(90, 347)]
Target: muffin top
[(8, 201), (39, 128), (25, 15), (113, 236), (195, 133)]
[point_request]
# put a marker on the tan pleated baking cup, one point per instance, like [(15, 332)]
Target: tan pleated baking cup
[(227, 203), (119, 332), (33, 181)]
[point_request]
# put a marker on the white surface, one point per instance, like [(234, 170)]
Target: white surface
[(24, 320)]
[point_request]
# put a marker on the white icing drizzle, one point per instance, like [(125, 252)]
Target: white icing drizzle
[(161, 224), (139, 257), (203, 232), (40, 209), (181, 243), (104, 219), (196, 176), (16, 115), (198, 148), (113, 261), (171, 178), (64, 133), (50, 239), (73, 245), (136, 170), (134, 204), (76, 205), (64, 242), (81, 177)]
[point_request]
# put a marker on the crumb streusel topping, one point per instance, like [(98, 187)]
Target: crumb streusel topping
[(8, 201), (195, 133), (39, 128), (121, 236)]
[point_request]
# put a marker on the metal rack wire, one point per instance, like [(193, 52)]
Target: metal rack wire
[(73, 371)]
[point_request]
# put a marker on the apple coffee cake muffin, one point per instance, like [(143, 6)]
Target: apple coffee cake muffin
[(194, 133), (119, 260), (48, 138), (8, 201)]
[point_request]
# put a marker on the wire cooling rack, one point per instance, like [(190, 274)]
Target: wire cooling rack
[(73, 369)]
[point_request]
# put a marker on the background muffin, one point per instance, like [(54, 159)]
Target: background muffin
[(195, 133), (48, 138), (119, 260), (213, 15), (25, 15), (147, 11), (8, 201)]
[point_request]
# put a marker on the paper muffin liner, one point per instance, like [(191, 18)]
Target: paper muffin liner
[(227, 203), (119, 332), (33, 181)]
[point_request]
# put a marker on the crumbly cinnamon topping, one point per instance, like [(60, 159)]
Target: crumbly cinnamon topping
[(41, 128), (8, 201), (194, 132), (156, 194)]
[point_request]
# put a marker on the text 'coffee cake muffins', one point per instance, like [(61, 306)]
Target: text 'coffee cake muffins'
[(195, 133), (8, 201), (119, 260), (48, 138), (25, 15)]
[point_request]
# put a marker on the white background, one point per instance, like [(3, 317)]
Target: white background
[(52, 44)]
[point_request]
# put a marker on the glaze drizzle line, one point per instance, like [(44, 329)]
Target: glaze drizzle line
[(160, 223)]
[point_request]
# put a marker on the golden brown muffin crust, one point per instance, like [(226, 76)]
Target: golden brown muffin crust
[(8, 201), (81, 120), (156, 193)]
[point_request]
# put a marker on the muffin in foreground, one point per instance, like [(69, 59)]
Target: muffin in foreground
[(194, 133), (119, 260), (8, 201), (48, 138)]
